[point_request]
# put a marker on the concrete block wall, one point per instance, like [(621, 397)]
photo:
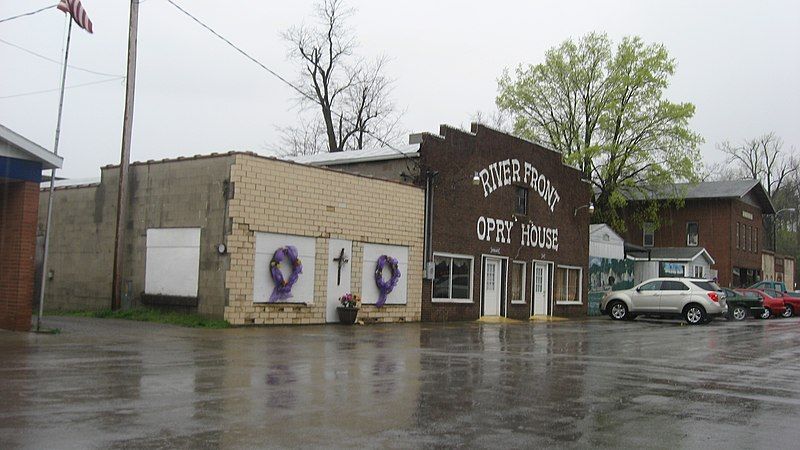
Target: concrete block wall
[(179, 193), (81, 248), (18, 207), (280, 197)]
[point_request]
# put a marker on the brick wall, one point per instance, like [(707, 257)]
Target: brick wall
[(18, 209), (274, 196), (717, 220), (458, 203)]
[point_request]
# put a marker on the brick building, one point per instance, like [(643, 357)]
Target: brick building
[(202, 231), (21, 165), (506, 222), (724, 217)]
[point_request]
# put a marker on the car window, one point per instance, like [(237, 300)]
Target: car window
[(673, 286), (706, 285), (748, 294), (772, 293), (651, 286), (729, 293)]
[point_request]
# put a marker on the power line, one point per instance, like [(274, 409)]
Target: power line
[(56, 89), (28, 13), (284, 80), (246, 55), (57, 61)]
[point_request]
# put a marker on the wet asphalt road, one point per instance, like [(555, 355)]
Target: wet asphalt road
[(593, 383)]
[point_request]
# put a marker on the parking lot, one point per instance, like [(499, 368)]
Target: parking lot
[(593, 382)]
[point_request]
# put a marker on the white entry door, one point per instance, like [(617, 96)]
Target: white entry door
[(541, 285), (339, 255), (491, 287)]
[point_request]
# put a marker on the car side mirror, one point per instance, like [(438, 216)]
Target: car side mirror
[(638, 289)]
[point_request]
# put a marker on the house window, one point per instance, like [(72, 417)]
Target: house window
[(518, 282), (746, 238), (738, 239), (568, 284), (648, 229), (755, 237), (692, 234), (521, 201), (698, 271), (453, 278), (752, 239)]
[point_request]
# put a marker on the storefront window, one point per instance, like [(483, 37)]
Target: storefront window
[(568, 284), (518, 281), (452, 279)]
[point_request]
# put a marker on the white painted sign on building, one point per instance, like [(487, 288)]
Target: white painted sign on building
[(369, 290), (172, 261), (266, 245)]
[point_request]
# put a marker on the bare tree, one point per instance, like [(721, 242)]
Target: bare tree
[(762, 158), (349, 97)]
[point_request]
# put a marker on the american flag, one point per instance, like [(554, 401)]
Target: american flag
[(75, 9)]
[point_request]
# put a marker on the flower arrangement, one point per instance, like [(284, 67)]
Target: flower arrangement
[(386, 286), (283, 287), (349, 300)]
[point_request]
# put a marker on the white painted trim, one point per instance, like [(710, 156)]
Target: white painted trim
[(503, 298), (471, 298), (549, 299), (580, 286), (441, 300), (48, 159)]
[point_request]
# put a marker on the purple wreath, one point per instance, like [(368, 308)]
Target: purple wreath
[(283, 287), (386, 286)]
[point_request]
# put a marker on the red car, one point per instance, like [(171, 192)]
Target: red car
[(792, 303), (772, 306)]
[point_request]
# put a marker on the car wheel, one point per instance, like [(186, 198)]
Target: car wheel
[(739, 313), (765, 314), (788, 312), (694, 314), (618, 310)]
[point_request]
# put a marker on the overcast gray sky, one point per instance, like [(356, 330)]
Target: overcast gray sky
[(738, 62)]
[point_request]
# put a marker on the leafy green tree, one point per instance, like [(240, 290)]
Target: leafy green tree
[(604, 109)]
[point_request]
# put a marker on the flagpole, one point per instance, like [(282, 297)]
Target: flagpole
[(125, 156), (53, 179)]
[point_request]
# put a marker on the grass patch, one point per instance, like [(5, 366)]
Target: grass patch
[(152, 315)]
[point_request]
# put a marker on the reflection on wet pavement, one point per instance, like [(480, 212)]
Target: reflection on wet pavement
[(105, 383)]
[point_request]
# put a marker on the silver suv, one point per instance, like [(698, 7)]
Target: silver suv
[(694, 299)]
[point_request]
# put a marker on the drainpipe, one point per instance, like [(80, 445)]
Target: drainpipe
[(428, 229)]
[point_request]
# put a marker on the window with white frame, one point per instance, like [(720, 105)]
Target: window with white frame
[(698, 271), (453, 277), (692, 234), (568, 284), (518, 281), (648, 230)]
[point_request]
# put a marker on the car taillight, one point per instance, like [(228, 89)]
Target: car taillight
[(713, 296)]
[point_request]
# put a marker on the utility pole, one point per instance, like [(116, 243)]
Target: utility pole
[(125, 156)]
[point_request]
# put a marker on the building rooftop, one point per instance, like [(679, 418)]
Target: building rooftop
[(707, 190), (357, 156), (670, 254), (17, 146)]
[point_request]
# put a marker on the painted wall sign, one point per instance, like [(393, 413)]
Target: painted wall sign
[(747, 215), (499, 230), (508, 171)]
